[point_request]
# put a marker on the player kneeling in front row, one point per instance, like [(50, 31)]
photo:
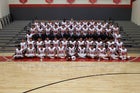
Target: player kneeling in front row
[(102, 53), (82, 52), (18, 52), (91, 52), (51, 51), (41, 52), (31, 52), (61, 52), (112, 52), (71, 52), (123, 53)]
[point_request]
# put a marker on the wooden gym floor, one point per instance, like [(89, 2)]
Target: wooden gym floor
[(69, 77)]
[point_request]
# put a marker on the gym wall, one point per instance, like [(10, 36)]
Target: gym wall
[(80, 9), (136, 12), (4, 8)]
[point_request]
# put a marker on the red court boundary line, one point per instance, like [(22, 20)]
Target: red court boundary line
[(8, 58)]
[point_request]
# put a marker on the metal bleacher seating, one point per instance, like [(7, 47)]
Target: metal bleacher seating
[(13, 31), (10, 35), (5, 21), (130, 35), (0, 24)]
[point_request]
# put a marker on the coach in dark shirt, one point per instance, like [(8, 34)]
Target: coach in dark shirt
[(51, 36), (66, 35), (58, 35), (95, 35), (89, 35), (43, 35), (82, 35), (103, 35), (36, 36), (109, 36), (74, 36)]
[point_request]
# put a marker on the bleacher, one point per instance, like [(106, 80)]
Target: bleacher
[(130, 35), (10, 33)]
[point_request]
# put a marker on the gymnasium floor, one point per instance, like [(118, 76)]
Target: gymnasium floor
[(69, 77)]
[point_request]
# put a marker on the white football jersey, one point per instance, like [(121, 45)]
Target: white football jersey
[(91, 50), (39, 43), (31, 50), (23, 45), (103, 26), (88, 43), (19, 52), (108, 30), (84, 23), (63, 23), (71, 30), (40, 30), (111, 26), (123, 51), (81, 43), (99, 23), (112, 50), (91, 29), (99, 30), (117, 36), (47, 43), (56, 43), (71, 50), (102, 51), (119, 45), (31, 42), (85, 30), (63, 29), (64, 43), (28, 36), (72, 43), (61, 50), (82, 50), (110, 43), (32, 29), (115, 28), (51, 50), (98, 44), (48, 30), (41, 50), (55, 31)]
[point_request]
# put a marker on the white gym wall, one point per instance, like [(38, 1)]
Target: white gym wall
[(136, 12), (4, 8), (125, 2)]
